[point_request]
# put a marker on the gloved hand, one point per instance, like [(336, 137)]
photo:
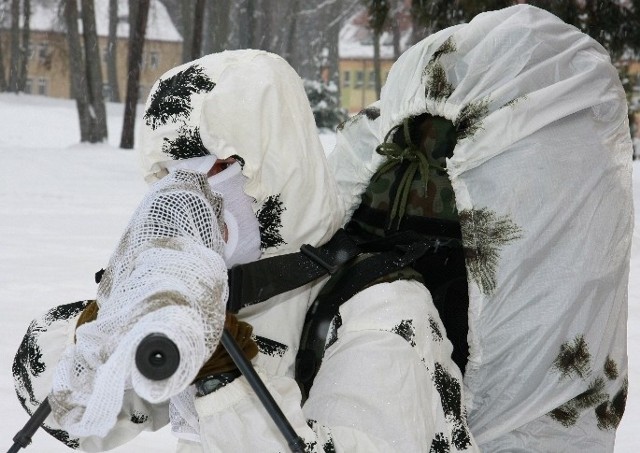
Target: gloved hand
[(220, 361)]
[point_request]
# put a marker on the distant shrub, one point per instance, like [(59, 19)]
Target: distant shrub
[(325, 104)]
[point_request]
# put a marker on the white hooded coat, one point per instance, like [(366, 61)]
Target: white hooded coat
[(387, 382), (542, 180)]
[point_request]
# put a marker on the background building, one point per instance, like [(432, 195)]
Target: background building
[(48, 55), (356, 57)]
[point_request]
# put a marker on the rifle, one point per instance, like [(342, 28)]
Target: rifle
[(157, 358)]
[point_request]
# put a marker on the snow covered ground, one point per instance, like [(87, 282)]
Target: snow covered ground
[(63, 207)]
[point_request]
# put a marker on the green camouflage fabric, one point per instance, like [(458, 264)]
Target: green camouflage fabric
[(437, 201)]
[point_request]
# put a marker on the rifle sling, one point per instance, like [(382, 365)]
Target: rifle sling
[(260, 280)]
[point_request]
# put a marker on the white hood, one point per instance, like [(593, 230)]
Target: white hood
[(542, 178), (249, 104)]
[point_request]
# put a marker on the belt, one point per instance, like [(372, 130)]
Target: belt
[(210, 384)]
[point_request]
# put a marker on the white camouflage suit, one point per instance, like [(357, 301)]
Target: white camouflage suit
[(387, 382), (542, 179), (540, 113)]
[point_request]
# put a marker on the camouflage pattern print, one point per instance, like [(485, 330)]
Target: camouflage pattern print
[(439, 139)]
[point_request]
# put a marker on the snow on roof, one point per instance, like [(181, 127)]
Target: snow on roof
[(356, 40), (45, 17)]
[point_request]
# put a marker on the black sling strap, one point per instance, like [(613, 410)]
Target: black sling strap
[(255, 282), (258, 281), (323, 310)]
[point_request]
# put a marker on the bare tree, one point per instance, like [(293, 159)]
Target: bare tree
[(3, 75), (137, 31), (252, 23), (394, 17), (112, 51), (86, 75), (3, 79), (196, 38), (186, 13), (218, 15), (14, 64), (77, 69), (290, 37), (378, 17), (24, 45), (94, 72)]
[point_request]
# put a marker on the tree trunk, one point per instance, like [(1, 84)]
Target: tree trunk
[(395, 29), (94, 73), (268, 17), (219, 16), (112, 52), (24, 45), (290, 35), (376, 62), (77, 68), (3, 79), (186, 7), (198, 19), (332, 37), (252, 24), (14, 64), (137, 31)]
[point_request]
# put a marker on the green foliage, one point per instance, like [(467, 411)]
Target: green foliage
[(325, 104)]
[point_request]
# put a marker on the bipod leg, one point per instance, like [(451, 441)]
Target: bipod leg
[(296, 444), (23, 438)]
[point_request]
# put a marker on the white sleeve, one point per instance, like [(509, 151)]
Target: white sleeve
[(41, 348), (387, 383), (166, 276)]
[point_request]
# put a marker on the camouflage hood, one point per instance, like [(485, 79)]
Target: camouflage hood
[(251, 105), (541, 173)]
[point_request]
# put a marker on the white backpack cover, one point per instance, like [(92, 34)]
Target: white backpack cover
[(542, 180)]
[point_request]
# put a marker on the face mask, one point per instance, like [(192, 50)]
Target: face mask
[(243, 229)]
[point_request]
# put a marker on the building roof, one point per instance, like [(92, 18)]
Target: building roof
[(45, 16), (356, 38)]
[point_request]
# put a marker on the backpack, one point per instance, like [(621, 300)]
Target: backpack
[(406, 227)]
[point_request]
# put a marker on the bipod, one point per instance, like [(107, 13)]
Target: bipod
[(23, 437)]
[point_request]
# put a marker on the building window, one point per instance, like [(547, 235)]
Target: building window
[(154, 60), (43, 86), (346, 79), (45, 55), (43, 51), (28, 86), (372, 79), (359, 79), (106, 91)]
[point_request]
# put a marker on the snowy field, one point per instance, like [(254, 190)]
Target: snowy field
[(63, 207)]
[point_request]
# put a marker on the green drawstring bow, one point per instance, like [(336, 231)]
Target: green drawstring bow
[(396, 155)]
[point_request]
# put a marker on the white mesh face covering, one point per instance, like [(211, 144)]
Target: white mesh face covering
[(166, 276)]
